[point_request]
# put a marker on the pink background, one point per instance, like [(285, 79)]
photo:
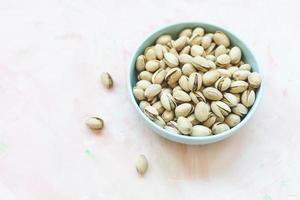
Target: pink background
[(51, 55)]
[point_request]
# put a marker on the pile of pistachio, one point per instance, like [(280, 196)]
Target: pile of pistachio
[(196, 84)]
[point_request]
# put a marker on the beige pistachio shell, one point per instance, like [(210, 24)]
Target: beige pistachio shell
[(184, 83), (197, 97), (197, 50), (181, 96), (140, 63), (150, 54), (210, 49), (245, 67), (195, 81), (151, 112), (152, 65), (106, 80), (206, 41), (254, 80), (232, 120), (212, 93), (159, 76), (188, 69), (248, 98), (240, 110), (238, 86), (220, 108), (184, 110), (168, 101), (198, 31), (173, 75), (141, 164), (185, 50), (180, 43), (223, 60), (201, 63), (172, 129), (200, 130), (229, 99), (168, 115), (195, 40), (138, 93), (220, 50), (211, 58), (224, 72), (95, 123), (235, 54), (212, 118), (143, 84), (202, 111), (210, 77), (219, 127), (186, 32), (221, 39), (184, 126), (145, 75), (185, 58), (159, 52), (240, 75), (223, 83), (159, 107), (143, 104), (159, 121), (152, 90), (193, 119), (171, 60), (164, 39)]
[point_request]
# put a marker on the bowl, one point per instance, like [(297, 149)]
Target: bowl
[(174, 31)]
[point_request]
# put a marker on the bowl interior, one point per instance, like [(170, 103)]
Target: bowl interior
[(174, 31)]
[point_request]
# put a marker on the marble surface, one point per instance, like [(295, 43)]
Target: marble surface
[(51, 57)]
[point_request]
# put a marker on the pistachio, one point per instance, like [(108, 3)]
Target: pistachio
[(143, 84), (159, 107), (152, 90), (159, 76), (238, 86), (201, 63), (171, 60), (238, 97), (198, 31), (223, 83), (184, 83), (211, 64), (245, 67), (143, 104), (193, 120), (171, 129), (195, 81), (195, 40), (185, 50), (162, 64), (224, 72), (212, 94), (168, 101), (165, 90), (188, 69), (150, 54), (184, 110), (232, 69), (168, 115), (240, 75), (151, 112), (211, 58), (138, 93), (197, 97), (230, 99), (221, 39), (185, 58), (210, 120), (223, 60), (220, 50), (210, 77), (172, 124), (159, 121), (210, 49), (145, 75), (95, 123), (232, 120), (180, 43), (254, 80), (200, 130), (206, 41), (240, 110), (186, 32), (235, 54), (197, 50), (220, 109), (106, 80), (174, 52), (141, 165), (177, 88), (164, 39), (159, 52), (152, 65), (181, 96), (173, 75), (202, 111), (140, 63), (248, 98), (184, 125), (219, 128)]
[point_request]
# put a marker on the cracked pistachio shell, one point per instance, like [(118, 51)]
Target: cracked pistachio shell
[(201, 63), (232, 120), (211, 64), (168, 101), (212, 93), (238, 86), (184, 83), (220, 109), (150, 54), (186, 32), (173, 75), (153, 100), (152, 90), (195, 81), (223, 83), (240, 110), (140, 63), (185, 50), (219, 128), (210, 77), (180, 43), (211, 58), (248, 98), (168, 115), (188, 69), (184, 125), (174, 52), (197, 97), (232, 69), (212, 118), (172, 129), (141, 165), (235, 54), (138, 93), (206, 41), (224, 72), (220, 50), (171, 60), (195, 40), (240, 75), (223, 60), (107, 80), (198, 31), (159, 107), (162, 64), (238, 97), (143, 104), (193, 119), (159, 76), (230, 99), (164, 39), (202, 111), (245, 67), (159, 121), (185, 58), (184, 110), (210, 49), (254, 80), (143, 84), (152, 65), (177, 88), (221, 39), (159, 53), (151, 112), (181, 96), (200, 130), (172, 124), (95, 123), (145, 75), (197, 50)]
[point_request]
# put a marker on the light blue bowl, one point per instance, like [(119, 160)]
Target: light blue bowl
[(174, 30)]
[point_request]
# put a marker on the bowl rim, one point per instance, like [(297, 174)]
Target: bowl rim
[(186, 139)]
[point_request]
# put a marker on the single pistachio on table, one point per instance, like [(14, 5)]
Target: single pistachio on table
[(171, 60), (197, 50), (248, 97), (164, 39), (223, 83), (235, 54), (143, 84), (150, 54), (202, 111), (240, 75), (95, 123), (195, 81), (219, 128), (220, 109), (188, 69), (254, 80), (173, 75), (238, 86), (230, 99), (184, 110), (197, 97), (106, 80), (145, 75), (210, 77), (140, 63), (138, 93), (141, 164), (152, 90), (232, 120), (240, 110), (221, 39), (184, 125), (193, 120), (221, 49), (181, 96), (168, 115), (200, 130), (212, 93), (159, 76), (212, 118), (201, 63), (168, 101)]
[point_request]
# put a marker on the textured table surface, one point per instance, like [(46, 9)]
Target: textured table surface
[(51, 57)]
